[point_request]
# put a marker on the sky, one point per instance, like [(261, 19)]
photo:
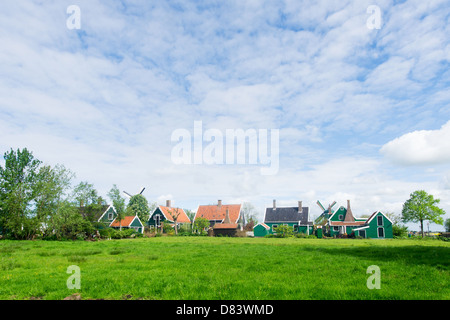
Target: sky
[(361, 102)]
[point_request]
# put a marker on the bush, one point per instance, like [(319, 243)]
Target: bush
[(117, 234), (284, 231), (399, 231)]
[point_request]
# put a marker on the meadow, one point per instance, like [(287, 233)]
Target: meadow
[(205, 268)]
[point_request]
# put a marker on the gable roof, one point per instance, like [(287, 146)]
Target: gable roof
[(94, 212), (166, 211), (107, 209), (215, 212), (287, 214), (262, 224), (126, 222), (374, 214)]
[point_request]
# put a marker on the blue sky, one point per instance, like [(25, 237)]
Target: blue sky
[(363, 114)]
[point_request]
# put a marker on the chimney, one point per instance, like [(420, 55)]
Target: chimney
[(168, 203), (300, 208), (219, 204), (349, 215), (274, 204), (227, 218)]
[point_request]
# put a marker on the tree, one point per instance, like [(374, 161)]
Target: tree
[(69, 223), (250, 216), (447, 225), (421, 207), (85, 194), (52, 188), (17, 190), (119, 204), (200, 224), (138, 206), (190, 214), (175, 213), (398, 229)]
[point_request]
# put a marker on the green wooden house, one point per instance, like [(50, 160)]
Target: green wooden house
[(128, 222), (296, 217), (166, 213), (341, 223), (103, 213), (108, 216), (261, 230)]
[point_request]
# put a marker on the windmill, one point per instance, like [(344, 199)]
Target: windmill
[(326, 213), (129, 195)]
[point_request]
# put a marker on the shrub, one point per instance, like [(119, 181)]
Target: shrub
[(399, 231), (284, 231)]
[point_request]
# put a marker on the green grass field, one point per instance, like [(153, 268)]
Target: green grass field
[(226, 268)]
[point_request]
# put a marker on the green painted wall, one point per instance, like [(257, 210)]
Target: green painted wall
[(152, 219), (105, 219), (372, 231), (260, 231), (300, 229)]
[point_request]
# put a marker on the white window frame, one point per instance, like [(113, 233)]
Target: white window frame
[(341, 217), (378, 232), (378, 221), (334, 228), (273, 227)]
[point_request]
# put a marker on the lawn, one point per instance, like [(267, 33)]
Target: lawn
[(226, 268)]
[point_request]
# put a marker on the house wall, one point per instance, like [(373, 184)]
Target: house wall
[(105, 219), (372, 231), (301, 229), (260, 231), (152, 220)]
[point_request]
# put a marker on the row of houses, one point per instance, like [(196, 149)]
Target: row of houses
[(227, 219)]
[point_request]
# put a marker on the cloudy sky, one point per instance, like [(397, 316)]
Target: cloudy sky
[(362, 113)]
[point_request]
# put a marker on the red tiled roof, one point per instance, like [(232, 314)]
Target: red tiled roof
[(214, 212), (125, 222), (225, 226), (264, 225), (182, 218)]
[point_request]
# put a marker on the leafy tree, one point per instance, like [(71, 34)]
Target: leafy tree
[(17, 190), (52, 188), (200, 224), (190, 214), (70, 224), (85, 194), (118, 203), (421, 207), (88, 200), (138, 206), (447, 225)]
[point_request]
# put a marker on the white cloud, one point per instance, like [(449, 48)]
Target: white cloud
[(421, 147)]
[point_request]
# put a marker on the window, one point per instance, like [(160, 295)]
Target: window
[(295, 228), (362, 233), (379, 220), (274, 227), (110, 216), (157, 219), (380, 233), (336, 229), (341, 217)]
